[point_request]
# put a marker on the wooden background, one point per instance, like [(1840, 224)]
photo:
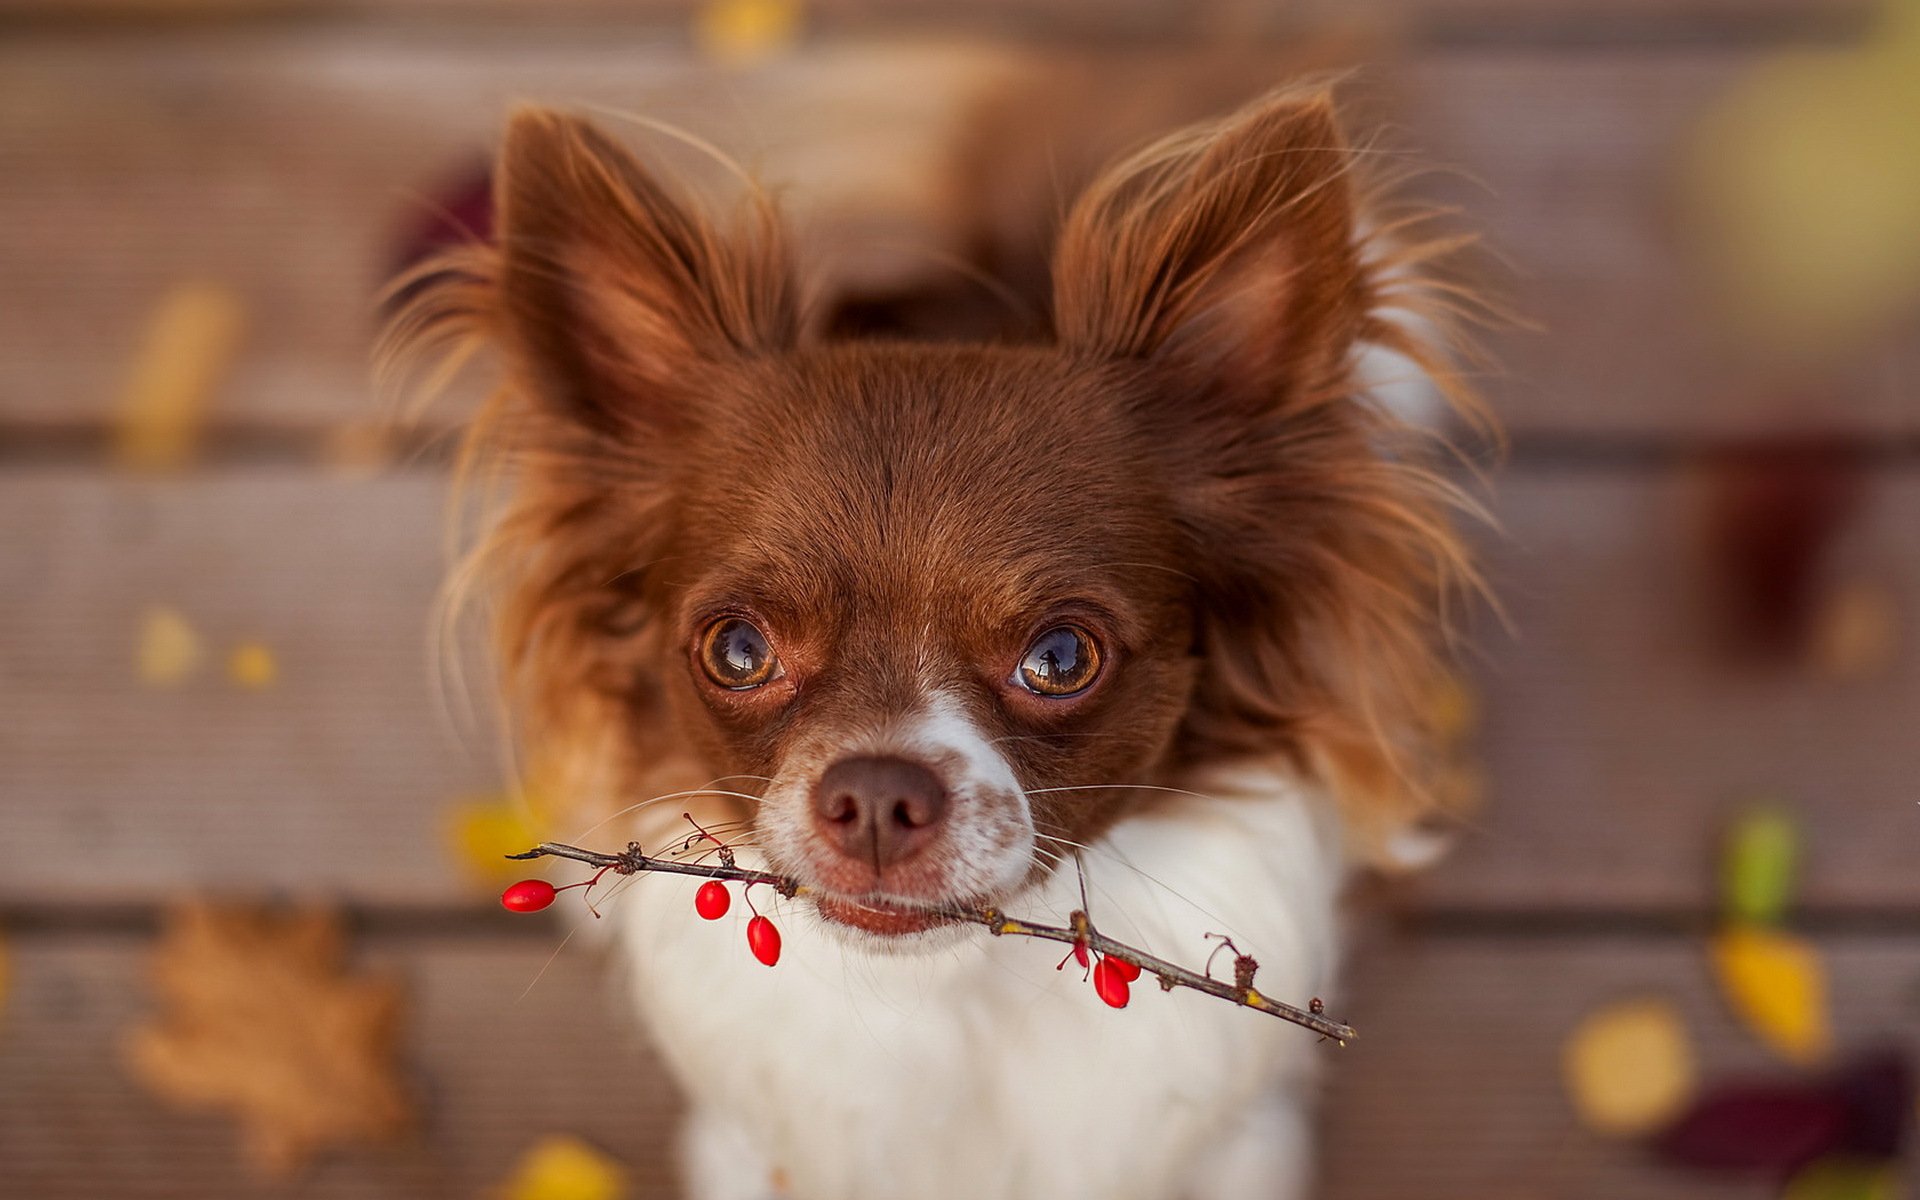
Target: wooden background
[(274, 146)]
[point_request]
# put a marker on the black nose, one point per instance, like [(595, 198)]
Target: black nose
[(878, 810)]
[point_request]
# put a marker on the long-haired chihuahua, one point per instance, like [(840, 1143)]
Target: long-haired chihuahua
[(1148, 608)]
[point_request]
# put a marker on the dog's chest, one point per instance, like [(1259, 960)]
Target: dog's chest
[(980, 1070)]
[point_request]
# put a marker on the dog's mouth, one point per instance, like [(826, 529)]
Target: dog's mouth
[(882, 917)]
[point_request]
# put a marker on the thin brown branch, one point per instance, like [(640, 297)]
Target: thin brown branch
[(1080, 932)]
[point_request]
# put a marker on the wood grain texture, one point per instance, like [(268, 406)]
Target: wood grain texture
[(1451, 1093), (333, 781), (283, 162), (1614, 735), (495, 1063), (1618, 734)]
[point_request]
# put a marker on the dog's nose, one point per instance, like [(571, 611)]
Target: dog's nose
[(878, 810)]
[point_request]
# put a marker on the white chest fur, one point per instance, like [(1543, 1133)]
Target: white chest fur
[(979, 1071)]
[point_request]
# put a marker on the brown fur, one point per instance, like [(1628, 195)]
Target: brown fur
[(1184, 469)]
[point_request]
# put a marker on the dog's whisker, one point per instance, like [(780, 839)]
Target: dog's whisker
[(1101, 787), (653, 800), (1121, 860)]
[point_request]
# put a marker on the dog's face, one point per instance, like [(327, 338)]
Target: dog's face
[(932, 599), (940, 611)]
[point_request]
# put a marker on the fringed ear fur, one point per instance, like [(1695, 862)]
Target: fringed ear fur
[(1228, 267), (613, 306)]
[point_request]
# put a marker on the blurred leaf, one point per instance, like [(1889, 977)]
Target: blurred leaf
[(1452, 708), (1756, 874), (739, 33), (566, 1168), (169, 649), (261, 1019), (1846, 1179), (481, 833), (252, 665), (190, 342), (1756, 1127), (1776, 984), (1629, 1066), (1803, 182)]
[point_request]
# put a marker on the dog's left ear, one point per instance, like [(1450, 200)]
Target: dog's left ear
[(1227, 253)]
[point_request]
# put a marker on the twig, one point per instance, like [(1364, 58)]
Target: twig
[(1080, 932)]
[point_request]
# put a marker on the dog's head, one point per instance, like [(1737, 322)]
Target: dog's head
[(939, 614)]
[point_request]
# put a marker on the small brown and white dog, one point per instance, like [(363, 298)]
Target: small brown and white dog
[(1154, 599)]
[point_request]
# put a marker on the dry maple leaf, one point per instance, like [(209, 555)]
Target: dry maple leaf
[(261, 1020)]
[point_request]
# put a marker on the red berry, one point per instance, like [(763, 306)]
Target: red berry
[(1110, 983), (529, 895), (712, 900), (1129, 971), (764, 940), (1080, 954)]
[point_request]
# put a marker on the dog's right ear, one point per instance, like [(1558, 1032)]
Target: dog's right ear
[(614, 296)]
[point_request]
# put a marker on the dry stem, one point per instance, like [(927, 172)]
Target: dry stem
[(1079, 933)]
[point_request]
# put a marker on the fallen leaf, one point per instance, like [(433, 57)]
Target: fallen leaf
[(1802, 181), (1842, 1178), (1775, 983), (252, 665), (190, 342), (481, 833), (169, 648), (1629, 1066), (565, 1168), (1452, 708), (1757, 868), (1763, 1127), (739, 33), (260, 1019)]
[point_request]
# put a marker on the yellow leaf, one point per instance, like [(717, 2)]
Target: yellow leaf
[(1629, 1066), (482, 833), (742, 32), (169, 648), (190, 341), (565, 1168), (251, 665), (1776, 985), (1452, 708), (1845, 1179)]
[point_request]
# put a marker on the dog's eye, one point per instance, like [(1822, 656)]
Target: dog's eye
[(1060, 662), (736, 655)]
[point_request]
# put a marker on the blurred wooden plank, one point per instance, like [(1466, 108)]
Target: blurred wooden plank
[(1617, 737), (332, 781), (498, 1061), (1451, 1093), (285, 166), (282, 162), (1613, 736), (1565, 162)]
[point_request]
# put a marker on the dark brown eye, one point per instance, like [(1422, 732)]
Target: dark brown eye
[(736, 655), (1060, 662)]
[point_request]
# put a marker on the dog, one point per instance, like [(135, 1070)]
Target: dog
[(1139, 617)]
